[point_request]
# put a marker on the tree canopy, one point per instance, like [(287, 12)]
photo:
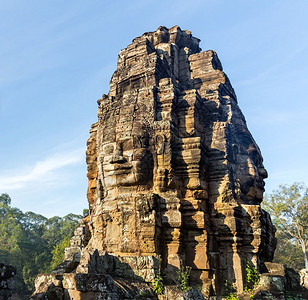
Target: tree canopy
[(288, 207), (31, 242)]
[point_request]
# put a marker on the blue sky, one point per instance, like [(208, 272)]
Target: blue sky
[(57, 58)]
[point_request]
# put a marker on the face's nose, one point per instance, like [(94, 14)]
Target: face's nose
[(118, 157), (262, 172)]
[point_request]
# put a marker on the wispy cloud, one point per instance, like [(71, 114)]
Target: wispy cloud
[(273, 68), (275, 117), (41, 171)]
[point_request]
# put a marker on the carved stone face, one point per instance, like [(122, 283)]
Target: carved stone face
[(127, 163), (252, 172), (258, 174)]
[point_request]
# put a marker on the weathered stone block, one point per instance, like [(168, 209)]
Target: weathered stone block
[(272, 283), (304, 278)]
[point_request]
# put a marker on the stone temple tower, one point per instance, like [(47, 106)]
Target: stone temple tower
[(173, 172)]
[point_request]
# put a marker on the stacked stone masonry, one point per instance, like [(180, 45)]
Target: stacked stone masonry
[(173, 173)]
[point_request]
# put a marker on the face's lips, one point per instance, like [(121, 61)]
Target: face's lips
[(119, 172), (118, 159), (117, 169), (126, 170)]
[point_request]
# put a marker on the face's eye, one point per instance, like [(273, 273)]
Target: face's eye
[(139, 154), (108, 149), (256, 158), (127, 145), (141, 140)]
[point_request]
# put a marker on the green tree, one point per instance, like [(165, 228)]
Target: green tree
[(31, 242), (5, 199), (288, 252), (58, 253), (288, 207)]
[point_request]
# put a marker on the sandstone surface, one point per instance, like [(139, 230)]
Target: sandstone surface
[(174, 173)]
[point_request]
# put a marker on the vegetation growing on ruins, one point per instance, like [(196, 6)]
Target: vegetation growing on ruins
[(158, 282), (183, 276), (230, 291), (252, 277), (31, 242)]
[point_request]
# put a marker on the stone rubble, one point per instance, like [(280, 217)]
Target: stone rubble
[(7, 274)]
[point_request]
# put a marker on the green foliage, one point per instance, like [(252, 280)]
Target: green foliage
[(58, 253), (183, 276), (31, 242), (288, 253), (252, 277), (288, 207), (158, 282), (5, 199), (230, 291)]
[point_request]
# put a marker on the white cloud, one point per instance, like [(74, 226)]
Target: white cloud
[(41, 171)]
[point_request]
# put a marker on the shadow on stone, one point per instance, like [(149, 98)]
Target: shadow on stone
[(108, 277)]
